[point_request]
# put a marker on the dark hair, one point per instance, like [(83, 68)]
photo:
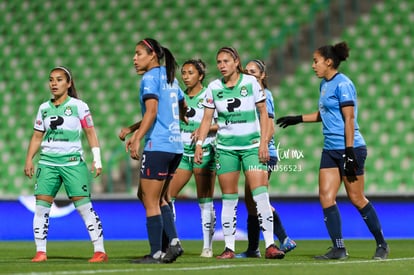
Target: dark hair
[(262, 68), (69, 79), (233, 52), (199, 65), (338, 52), (171, 65)]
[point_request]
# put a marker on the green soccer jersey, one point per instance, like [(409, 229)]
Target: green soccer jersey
[(239, 126), (194, 114), (62, 125)]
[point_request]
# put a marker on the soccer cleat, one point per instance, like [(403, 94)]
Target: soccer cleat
[(334, 254), (249, 254), (173, 252), (147, 259), (272, 252), (381, 253), (40, 257), (287, 245), (206, 253), (227, 254), (98, 257)]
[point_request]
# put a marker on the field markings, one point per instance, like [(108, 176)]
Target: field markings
[(199, 268)]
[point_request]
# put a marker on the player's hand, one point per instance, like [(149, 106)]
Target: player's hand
[(123, 133), (350, 164), (29, 170), (264, 153), (133, 145), (285, 121), (98, 171), (198, 154)]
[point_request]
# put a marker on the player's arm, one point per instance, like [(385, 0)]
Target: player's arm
[(96, 151), (264, 131), (202, 133), (286, 121), (130, 129), (33, 148)]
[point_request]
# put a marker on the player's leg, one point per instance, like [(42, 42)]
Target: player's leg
[(256, 177), (355, 191), (286, 243), (228, 171), (77, 181), (205, 177), (253, 227), (47, 185), (174, 249), (179, 180)]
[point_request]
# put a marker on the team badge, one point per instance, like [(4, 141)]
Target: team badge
[(200, 104), (68, 111), (243, 91)]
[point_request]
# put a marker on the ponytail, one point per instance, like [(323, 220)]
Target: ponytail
[(338, 52), (171, 65)]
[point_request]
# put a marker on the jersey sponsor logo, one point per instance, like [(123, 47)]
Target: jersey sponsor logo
[(39, 122), (232, 104), (55, 121), (191, 112), (174, 128)]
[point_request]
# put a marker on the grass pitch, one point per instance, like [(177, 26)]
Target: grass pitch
[(71, 257)]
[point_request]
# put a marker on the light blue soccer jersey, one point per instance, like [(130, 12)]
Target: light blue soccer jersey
[(270, 106), (335, 94), (164, 135)]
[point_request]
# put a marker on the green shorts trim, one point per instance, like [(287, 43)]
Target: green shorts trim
[(208, 162), (234, 160), (76, 180)]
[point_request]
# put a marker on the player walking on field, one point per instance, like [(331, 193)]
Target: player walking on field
[(242, 143), (344, 150), (57, 132)]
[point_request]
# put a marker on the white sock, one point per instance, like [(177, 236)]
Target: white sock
[(41, 226), (265, 216), (93, 224), (229, 219), (208, 223)]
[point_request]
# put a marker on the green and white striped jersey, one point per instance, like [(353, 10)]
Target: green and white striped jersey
[(194, 114), (62, 125), (239, 126)]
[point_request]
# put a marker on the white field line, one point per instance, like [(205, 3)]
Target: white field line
[(221, 266)]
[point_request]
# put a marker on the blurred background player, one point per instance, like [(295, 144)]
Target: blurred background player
[(193, 73), (344, 150), (257, 68), (242, 143), (162, 105), (57, 132)]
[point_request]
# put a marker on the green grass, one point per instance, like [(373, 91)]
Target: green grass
[(71, 257)]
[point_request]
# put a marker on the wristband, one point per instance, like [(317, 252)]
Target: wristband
[(199, 142), (96, 152)]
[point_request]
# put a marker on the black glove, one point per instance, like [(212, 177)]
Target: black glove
[(350, 164), (285, 121)]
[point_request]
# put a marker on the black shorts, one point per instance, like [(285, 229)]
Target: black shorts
[(159, 165), (335, 159)]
